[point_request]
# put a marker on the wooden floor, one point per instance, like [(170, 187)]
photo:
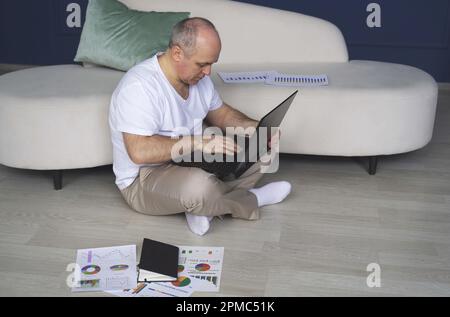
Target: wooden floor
[(318, 242)]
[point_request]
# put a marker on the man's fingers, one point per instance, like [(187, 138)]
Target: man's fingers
[(230, 144), (274, 139), (221, 145)]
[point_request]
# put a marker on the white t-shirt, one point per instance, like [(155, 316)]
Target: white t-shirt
[(145, 103)]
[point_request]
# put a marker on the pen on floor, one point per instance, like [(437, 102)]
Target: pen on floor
[(139, 288)]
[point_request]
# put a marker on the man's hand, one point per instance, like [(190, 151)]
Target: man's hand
[(275, 139), (226, 116), (216, 144)]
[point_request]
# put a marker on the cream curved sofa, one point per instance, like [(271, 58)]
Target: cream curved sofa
[(55, 117)]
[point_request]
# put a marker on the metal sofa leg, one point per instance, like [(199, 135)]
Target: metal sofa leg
[(57, 179), (373, 161)]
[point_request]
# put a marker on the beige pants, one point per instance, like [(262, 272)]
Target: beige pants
[(168, 189)]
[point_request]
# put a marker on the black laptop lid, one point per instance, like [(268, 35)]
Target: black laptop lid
[(271, 120), (274, 117)]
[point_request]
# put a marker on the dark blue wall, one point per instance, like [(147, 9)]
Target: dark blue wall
[(413, 32)]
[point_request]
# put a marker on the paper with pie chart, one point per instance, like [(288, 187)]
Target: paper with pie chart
[(199, 270), (100, 269), (158, 289), (204, 264)]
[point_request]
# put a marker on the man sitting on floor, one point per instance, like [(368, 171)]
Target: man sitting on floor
[(157, 97)]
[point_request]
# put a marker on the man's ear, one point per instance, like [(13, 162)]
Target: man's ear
[(177, 53)]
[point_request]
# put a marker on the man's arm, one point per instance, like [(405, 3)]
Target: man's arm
[(226, 116), (159, 149), (149, 149)]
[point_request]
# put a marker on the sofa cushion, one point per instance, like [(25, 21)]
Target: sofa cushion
[(118, 37), (368, 108), (56, 117)]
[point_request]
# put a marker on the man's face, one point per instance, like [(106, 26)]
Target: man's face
[(193, 67)]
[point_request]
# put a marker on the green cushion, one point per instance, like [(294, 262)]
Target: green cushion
[(120, 38)]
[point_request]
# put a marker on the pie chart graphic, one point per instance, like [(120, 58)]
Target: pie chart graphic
[(182, 281), (90, 269), (202, 267), (119, 267)]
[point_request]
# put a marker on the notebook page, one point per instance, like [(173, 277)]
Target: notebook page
[(279, 79), (244, 77)]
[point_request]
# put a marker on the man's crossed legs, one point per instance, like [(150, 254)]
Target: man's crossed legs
[(169, 189)]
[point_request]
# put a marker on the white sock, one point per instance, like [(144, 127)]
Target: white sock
[(198, 224), (271, 193)]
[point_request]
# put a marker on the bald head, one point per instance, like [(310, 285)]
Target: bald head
[(194, 47), (192, 33)]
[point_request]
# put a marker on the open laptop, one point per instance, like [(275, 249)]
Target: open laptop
[(231, 167)]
